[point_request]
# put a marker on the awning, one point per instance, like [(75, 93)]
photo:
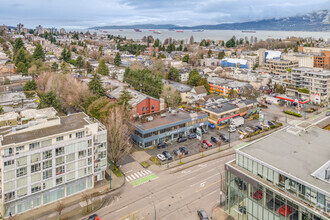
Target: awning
[(223, 119), (291, 100)]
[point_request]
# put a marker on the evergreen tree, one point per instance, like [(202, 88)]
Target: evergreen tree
[(117, 59), (95, 86), (89, 67), (18, 45), (66, 55), (173, 74), (21, 68), (209, 53), (30, 85), (63, 54), (185, 58), (124, 98), (49, 99), (194, 78), (185, 49), (102, 68), (38, 52), (156, 43), (54, 67), (221, 55), (205, 83), (231, 43), (80, 62), (21, 57)]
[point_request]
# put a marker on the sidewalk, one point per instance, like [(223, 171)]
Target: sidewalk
[(220, 214), (74, 205)]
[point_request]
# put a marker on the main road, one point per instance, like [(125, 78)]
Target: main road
[(175, 194)]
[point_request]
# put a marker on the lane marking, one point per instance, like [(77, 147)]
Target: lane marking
[(132, 176), (202, 184), (121, 209), (205, 179), (208, 186), (139, 174), (125, 216), (136, 175)]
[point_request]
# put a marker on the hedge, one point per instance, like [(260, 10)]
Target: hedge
[(293, 113)]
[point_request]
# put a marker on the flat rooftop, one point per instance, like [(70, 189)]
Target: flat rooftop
[(169, 119), (299, 155), (67, 123), (223, 105)]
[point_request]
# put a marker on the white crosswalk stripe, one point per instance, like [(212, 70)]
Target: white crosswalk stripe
[(137, 175)]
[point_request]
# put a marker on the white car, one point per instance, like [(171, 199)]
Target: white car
[(248, 129), (161, 157), (231, 129)]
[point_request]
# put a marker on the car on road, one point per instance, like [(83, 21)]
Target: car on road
[(161, 145), (215, 140), (176, 152), (207, 143), (211, 125), (241, 131), (93, 217), (249, 129), (285, 210), (232, 129), (327, 114), (161, 157), (224, 137), (181, 139), (202, 214), (167, 155), (192, 135), (257, 195), (184, 150)]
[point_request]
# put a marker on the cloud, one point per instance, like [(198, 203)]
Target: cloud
[(88, 13)]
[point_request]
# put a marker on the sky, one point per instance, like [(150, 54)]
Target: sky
[(89, 13)]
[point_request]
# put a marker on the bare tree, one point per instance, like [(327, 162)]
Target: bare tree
[(59, 208), (119, 128), (158, 66), (86, 197)]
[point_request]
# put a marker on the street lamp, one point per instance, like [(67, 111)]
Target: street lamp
[(220, 186), (110, 173), (167, 156), (154, 207)]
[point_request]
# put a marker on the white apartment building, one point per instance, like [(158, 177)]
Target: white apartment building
[(316, 80), (49, 159)]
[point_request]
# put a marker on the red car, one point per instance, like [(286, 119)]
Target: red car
[(257, 195), (207, 143), (285, 210)]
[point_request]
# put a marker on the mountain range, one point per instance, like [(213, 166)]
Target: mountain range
[(315, 21)]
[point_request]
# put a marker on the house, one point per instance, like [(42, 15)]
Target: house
[(182, 88), (197, 93), (142, 103)]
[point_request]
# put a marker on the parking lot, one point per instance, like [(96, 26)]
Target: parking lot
[(193, 144)]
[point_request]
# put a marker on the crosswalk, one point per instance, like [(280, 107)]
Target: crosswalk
[(137, 175)]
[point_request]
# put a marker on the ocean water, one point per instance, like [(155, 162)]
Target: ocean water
[(212, 34)]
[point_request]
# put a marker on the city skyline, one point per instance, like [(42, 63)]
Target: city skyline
[(117, 12)]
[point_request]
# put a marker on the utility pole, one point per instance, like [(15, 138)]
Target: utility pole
[(229, 131), (110, 173), (220, 187), (167, 157), (154, 208)]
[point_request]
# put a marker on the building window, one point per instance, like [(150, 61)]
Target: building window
[(152, 107), (80, 134), (59, 160), (60, 170), (59, 180), (70, 135), (47, 154), (47, 164), (34, 145), (9, 196), (21, 172), (8, 163), (143, 109), (47, 174), (59, 151), (81, 154), (35, 189), (59, 138), (20, 148), (35, 168), (89, 151)]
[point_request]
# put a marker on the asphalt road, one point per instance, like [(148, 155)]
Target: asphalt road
[(171, 196)]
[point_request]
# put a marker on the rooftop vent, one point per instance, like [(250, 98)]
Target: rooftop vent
[(163, 115), (214, 107), (150, 118)]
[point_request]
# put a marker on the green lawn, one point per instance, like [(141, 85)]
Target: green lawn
[(144, 180)]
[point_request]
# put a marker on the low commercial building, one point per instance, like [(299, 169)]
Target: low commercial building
[(322, 60), (231, 62), (167, 127), (280, 67), (223, 86), (47, 160), (282, 176), (221, 110)]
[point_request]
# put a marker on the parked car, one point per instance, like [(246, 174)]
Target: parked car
[(273, 205), (249, 129), (181, 139), (224, 137), (285, 210), (270, 123), (232, 129), (204, 131), (192, 135), (184, 150), (161, 145), (257, 195), (240, 184), (327, 114), (161, 157), (93, 217), (202, 214), (215, 140), (241, 131), (204, 146), (211, 125), (167, 155), (207, 143), (258, 128), (176, 152)]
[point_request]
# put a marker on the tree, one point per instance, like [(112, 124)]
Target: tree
[(124, 98), (156, 43), (119, 130), (205, 83), (185, 58), (171, 96), (80, 62), (54, 67), (30, 85), (86, 197), (18, 45), (232, 94), (117, 59), (21, 57), (209, 53), (59, 208), (95, 85), (158, 66), (185, 49), (75, 36), (66, 55), (89, 67), (191, 41), (194, 78), (231, 43), (221, 55), (21, 68), (173, 74), (102, 68), (1, 109), (38, 52), (49, 99)]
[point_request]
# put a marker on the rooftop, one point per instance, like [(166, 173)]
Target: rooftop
[(299, 154), (223, 105), (178, 86)]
